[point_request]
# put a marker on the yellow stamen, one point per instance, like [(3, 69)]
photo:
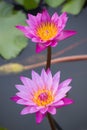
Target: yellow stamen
[(43, 97), (47, 30)]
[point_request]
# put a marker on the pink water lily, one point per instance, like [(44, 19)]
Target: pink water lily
[(42, 94), (45, 30)]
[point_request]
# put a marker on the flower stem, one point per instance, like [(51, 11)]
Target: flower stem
[(57, 125), (48, 64), (58, 60), (51, 121)]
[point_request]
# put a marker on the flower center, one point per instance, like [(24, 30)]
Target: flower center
[(47, 30), (43, 97)]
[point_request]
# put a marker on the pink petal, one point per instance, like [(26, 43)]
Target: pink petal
[(29, 84), (15, 98), (52, 110), (39, 117), (32, 21), (23, 95), (44, 110), (59, 103), (40, 47), (25, 80), (61, 93), (37, 80), (44, 76), (29, 34), (66, 101), (49, 81), (22, 28), (65, 89), (39, 18), (66, 34), (54, 43), (28, 110), (21, 87), (48, 43), (45, 16), (65, 83), (48, 71), (62, 21), (54, 88), (24, 102), (56, 79), (55, 17), (36, 39)]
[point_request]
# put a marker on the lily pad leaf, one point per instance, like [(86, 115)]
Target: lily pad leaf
[(31, 4), (12, 41), (20, 1), (73, 6), (5, 9), (54, 3), (3, 129)]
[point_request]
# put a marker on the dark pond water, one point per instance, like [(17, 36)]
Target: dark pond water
[(73, 117)]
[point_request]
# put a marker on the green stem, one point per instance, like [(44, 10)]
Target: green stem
[(51, 122), (48, 65)]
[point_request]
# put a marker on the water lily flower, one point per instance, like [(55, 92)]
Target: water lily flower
[(42, 94), (45, 30)]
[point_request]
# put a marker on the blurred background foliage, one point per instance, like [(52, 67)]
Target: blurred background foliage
[(13, 12), (3, 129)]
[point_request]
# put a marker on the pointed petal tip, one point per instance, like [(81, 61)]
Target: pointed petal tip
[(52, 110), (64, 13), (40, 47), (73, 32), (18, 26), (68, 101), (39, 117), (21, 77), (14, 98), (21, 113), (70, 79)]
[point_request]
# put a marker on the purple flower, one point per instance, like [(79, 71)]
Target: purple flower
[(43, 93), (45, 30)]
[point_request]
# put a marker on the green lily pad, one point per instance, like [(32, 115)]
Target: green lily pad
[(20, 1), (54, 3), (3, 129), (5, 9), (73, 6), (12, 41), (29, 4)]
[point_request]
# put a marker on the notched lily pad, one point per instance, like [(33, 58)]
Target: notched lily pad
[(54, 3), (73, 6), (6, 9), (12, 41)]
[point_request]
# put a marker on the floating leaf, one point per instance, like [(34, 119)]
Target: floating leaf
[(20, 1), (11, 68), (31, 4), (54, 3), (73, 6), (3, 129), (11, 40), (5, 9)]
